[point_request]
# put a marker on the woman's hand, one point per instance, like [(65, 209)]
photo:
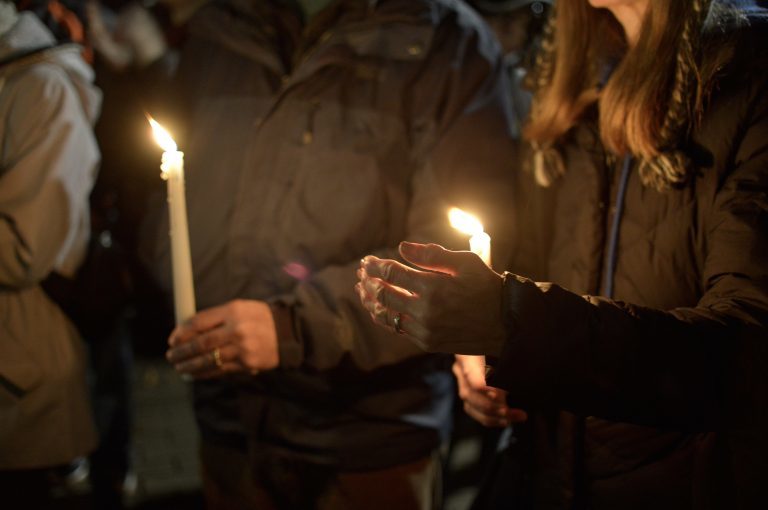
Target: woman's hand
[(485, 404), (233, 338), (454, 306)]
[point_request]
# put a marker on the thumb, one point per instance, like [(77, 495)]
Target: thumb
[(475, 375), (433, 257)]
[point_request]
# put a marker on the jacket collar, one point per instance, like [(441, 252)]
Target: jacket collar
[(356, 32)]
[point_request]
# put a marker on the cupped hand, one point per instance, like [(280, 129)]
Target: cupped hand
[(452, 305), (485, 404), (236, 337)]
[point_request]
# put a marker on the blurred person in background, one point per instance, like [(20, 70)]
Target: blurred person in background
[(518, 25), (302, 119), (47, 168)]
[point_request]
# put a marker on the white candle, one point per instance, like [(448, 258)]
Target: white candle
[(480, 245), (172, 168), (479, 242)]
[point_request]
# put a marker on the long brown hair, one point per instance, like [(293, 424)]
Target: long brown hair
[(645, 106)]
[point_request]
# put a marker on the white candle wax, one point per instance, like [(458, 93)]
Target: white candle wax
[(181, 259)]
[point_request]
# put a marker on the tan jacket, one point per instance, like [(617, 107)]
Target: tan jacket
[(47, 168)]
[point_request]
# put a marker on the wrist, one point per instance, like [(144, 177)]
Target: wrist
[(289, 347)]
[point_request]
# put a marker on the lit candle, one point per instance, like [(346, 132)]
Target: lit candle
[(479, 242), (172, 169), (480, 245)]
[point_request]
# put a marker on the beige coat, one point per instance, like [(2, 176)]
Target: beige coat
[(48, 159)]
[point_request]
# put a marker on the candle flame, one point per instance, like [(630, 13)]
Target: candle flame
[(162, 136), (464, 222)]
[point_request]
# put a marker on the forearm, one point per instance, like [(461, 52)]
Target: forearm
[(599, 357)]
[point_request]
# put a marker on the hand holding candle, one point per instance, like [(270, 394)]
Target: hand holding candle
[(450, 303), (172, 168), (484, 404)]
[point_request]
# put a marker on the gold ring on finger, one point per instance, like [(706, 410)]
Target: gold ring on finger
[(217, 357), (398, 322)]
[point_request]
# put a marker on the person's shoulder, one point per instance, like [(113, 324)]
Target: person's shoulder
[(736, 99), (452, 21), (454, 13), (39, 91), (752, 42), (735, 42), (734, 59), (39, 78)]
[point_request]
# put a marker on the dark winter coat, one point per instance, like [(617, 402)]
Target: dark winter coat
[(308, 148), (656, 397)]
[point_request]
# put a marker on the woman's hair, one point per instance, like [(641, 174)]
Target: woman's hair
[(648, 95)]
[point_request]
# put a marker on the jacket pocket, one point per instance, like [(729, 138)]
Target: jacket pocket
[(19, 374)]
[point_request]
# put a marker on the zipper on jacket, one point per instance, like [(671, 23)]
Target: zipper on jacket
[(613, 233)]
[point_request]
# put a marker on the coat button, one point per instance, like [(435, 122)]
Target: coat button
[(307, 137), (415, 49)]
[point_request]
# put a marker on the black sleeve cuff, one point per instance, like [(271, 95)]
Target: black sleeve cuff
[(289, 347), (521, 311)]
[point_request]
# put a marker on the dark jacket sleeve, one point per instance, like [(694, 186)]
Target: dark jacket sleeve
[(702, 367)]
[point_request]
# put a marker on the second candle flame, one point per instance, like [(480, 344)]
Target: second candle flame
[(162, 136), (464, 222)]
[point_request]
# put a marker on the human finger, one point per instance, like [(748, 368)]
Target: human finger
[(487, 420), (369, 302), (482, 398), (392, 272), (487, 403), (372, 306), (516, 415), (202, 343), (183, 351), (388, 317), (200, 322), (182, 333), (474, 370), (215, 363), (400, 322), (436, 258), (408, 326), (461, 379), (388, 296), (492, 402), (208, 360)]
